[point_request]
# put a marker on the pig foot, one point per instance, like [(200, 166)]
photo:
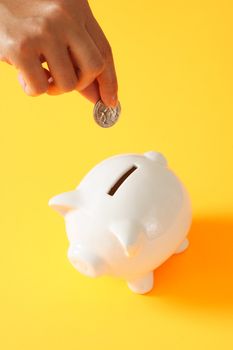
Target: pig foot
[(183, 246), (142, 284)]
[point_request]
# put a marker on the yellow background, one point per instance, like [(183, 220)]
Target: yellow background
[(175, 69)]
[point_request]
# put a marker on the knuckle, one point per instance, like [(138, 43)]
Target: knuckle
[(42, 28), (56, 9), (21, 46), (11, 47), (69, 85), (96, 66)]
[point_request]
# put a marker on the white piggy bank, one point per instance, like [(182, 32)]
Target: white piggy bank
[(127, 216)]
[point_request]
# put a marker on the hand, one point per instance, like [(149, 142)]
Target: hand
[(65, 34)]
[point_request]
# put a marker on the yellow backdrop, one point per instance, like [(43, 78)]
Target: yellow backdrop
[(175, 68)]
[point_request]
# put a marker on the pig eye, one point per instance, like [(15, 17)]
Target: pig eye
[(120, 181)]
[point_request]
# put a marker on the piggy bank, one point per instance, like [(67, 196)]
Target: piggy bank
[(127, 216)]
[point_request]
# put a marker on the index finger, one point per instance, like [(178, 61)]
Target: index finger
[(108, 85)]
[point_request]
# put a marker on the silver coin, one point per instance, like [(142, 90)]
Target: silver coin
[(106, 116)]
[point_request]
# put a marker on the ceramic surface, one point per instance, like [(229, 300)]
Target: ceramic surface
[(128, 215)]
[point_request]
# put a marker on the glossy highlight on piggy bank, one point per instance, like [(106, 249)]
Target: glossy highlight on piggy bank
[(127, 216)]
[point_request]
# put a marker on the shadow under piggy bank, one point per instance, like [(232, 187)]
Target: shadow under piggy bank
[(203, 275)]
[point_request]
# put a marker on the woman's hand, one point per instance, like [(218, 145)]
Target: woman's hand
[(65, 34)]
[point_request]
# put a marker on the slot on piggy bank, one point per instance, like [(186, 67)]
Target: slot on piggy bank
[(127, 216)]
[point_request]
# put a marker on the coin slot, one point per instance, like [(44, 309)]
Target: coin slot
[(120, 181)]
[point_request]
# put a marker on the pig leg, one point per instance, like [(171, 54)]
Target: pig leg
[(183, 246), (142, 284)]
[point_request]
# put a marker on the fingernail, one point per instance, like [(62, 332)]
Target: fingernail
[(28, 90), (21, 81)]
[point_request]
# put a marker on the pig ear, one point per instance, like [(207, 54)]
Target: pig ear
[(156, 157), (129, 234), (64, 202)]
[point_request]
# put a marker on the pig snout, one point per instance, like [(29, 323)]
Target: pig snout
[(86, 262)]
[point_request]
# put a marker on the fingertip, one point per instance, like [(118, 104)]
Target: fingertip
[(21, 81), (35, 88), (110, 101), (114, 101), (108, 87), (24, 85), (28, 91)]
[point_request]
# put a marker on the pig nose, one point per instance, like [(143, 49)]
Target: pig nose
[(86, 262)]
